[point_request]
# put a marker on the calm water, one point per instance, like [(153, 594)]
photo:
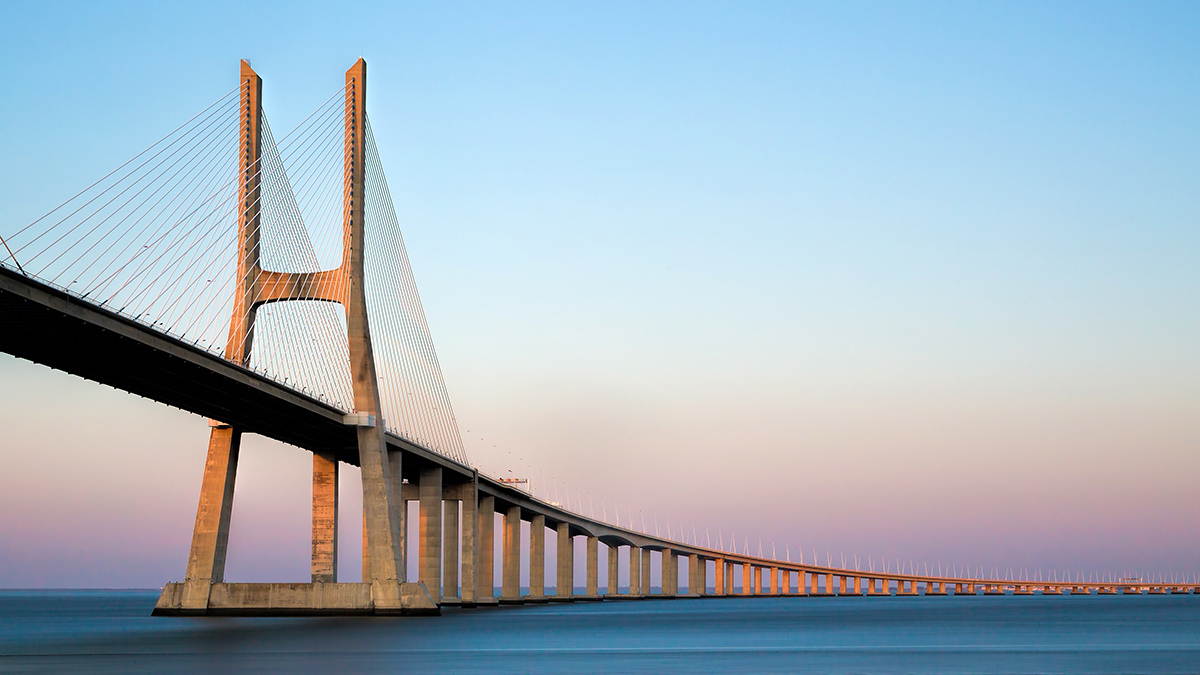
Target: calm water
[(108, 632)]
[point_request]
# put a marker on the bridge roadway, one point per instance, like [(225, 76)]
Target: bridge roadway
[(53, 327)]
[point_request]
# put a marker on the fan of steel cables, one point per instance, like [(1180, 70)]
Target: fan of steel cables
[(156, 241)]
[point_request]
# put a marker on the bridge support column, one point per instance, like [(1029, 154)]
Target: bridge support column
[(450, 549), (694, 579), (565, 582), (757, 588), (593, 567), (510, 565), (485, 577), (645, 571), (324, 518), (614, 570), (635, 570), (746, 575), (429, 554), (210, 538), (470, 539), (774, 581), (669, 574), (719, 577), (813, 579), (537, 557)]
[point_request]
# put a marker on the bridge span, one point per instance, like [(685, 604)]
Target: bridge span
[(130, 323)]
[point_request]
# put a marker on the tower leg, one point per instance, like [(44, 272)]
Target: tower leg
[(210, 538)]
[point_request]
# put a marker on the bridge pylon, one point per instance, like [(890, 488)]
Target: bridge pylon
[(383, 589)]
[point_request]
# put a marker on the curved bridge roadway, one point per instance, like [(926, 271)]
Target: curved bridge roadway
[(53, 327)]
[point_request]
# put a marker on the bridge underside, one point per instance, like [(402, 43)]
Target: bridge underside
[(50, 327)]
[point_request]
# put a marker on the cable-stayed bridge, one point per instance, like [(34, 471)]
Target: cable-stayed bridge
[(263, 283)]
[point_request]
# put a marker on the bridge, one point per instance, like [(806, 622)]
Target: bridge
[(264, 285)]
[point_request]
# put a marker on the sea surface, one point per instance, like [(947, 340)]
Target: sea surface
[(113, 632)]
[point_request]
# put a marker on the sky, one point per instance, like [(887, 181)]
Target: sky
[(913, 281)]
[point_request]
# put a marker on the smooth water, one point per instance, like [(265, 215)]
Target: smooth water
[(112, 631)]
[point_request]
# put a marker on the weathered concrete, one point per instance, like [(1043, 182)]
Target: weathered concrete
[(614, 571), (210, 538), (510, 566), (537, 557), (593, 567), (485, 578), (669, 574), (645, 571), (469, 495), (635, 570), (429, 553), (450, 541), (400, 522), (565, 581), (857, 586), (314, 599), (324, 518)]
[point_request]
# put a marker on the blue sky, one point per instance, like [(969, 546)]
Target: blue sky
[(824, 261)]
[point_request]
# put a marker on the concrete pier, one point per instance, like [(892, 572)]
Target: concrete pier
[(565, 582), (450, 541), (614, 571), (324, 518), (429, 554), (537, 558), (470, 534), (671, 586), (719, 577), (593, 567), (646, 571), (510, 566), (635, 571), (485, 577)]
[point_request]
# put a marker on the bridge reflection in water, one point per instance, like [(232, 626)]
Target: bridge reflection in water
[(179, 281)]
